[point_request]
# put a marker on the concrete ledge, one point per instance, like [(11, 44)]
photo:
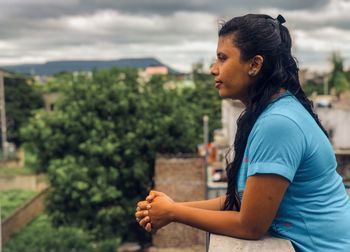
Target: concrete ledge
[(196, 248), (23, 182), (220, 243), (23, 215)]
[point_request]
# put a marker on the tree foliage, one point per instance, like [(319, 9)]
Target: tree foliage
[(206, 100), (338, 78), (99, 145), (21, 100), (40, 236), (313, 86)]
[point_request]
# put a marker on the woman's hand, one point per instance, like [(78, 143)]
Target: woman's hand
[(141, 215), (154, 194), (160, 212), (143, 207)]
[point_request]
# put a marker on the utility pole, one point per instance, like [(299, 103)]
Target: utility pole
[(3, 116), (325, 85), (206, 141), (0, 230)]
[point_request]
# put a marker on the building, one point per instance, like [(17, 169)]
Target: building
[(151, 70), (50, 100)]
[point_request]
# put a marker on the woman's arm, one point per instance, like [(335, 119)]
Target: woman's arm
[(261, 199), (211, 204), (216, 204)]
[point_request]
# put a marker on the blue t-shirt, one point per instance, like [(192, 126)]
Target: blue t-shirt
[(315, 211)]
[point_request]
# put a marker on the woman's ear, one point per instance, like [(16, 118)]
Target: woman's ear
[(255, 65)]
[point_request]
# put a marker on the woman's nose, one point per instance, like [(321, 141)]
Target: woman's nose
[(214, 70)]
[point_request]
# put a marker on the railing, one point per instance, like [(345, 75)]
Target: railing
[(220, 243)]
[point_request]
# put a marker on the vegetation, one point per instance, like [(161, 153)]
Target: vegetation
[(337, 80), (206, 100), (40, 236), (9, 171), (12, 199), (99, 144), (21, 100), (338, 77)]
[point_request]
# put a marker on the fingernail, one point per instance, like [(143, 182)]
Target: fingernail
[(145, 212), (148, 206)]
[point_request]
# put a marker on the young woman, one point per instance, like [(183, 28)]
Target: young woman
[(283, 177)]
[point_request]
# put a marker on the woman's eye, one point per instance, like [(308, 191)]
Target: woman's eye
[(221, 57)]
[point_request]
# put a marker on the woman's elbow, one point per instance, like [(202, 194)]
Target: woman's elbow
[(256, 235), (246, 234), (255, 232)]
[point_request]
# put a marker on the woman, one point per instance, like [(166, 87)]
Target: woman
[(283, 162)]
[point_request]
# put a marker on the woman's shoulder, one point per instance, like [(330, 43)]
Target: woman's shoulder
[(288, 110), (278, 125)]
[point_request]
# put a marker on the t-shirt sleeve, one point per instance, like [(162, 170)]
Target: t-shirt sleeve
[(276, 146)]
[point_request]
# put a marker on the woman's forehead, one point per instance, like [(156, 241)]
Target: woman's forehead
[(226, 44)]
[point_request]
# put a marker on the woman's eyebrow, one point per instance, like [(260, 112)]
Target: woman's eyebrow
[(220, 54)]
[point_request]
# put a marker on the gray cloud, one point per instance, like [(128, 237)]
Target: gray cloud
[(37, 9), (176, 31)]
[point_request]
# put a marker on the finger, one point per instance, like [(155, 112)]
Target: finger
[(156, 193), (144, 221), (148, 206), (148, 227), (149, 198), (141, 214), (142, 204)]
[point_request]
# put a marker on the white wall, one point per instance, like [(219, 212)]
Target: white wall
[(230, 112), (337, 119)]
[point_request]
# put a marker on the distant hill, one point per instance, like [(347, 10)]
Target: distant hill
[(54, 67)]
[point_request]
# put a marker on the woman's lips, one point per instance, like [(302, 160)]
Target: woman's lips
[(218, 83)]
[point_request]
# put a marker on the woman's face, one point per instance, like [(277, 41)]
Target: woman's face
[(231, 73)]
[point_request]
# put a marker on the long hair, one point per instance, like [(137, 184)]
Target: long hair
[(256, 34)]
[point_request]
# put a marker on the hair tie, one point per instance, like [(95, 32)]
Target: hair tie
[(280, 19), (277, 22)]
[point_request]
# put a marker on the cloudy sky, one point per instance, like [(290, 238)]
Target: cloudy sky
[(177, 32)]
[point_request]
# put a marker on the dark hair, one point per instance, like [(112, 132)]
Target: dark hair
[(256, 34)]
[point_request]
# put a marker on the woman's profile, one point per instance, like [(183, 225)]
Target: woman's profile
[(283, 177)]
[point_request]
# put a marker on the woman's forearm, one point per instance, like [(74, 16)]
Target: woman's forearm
[(220, 222), (216, 204)]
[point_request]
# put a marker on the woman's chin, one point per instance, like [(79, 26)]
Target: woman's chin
[(225, 95)]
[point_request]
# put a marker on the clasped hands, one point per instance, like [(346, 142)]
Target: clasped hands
[(155, 212)]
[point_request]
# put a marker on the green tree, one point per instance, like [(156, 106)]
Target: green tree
[(21, 100), (341, 83), (313, 86), (206, 100), (99, 147), (338, 77)]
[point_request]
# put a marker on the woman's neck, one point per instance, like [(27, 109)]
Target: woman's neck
[(281, 91)]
